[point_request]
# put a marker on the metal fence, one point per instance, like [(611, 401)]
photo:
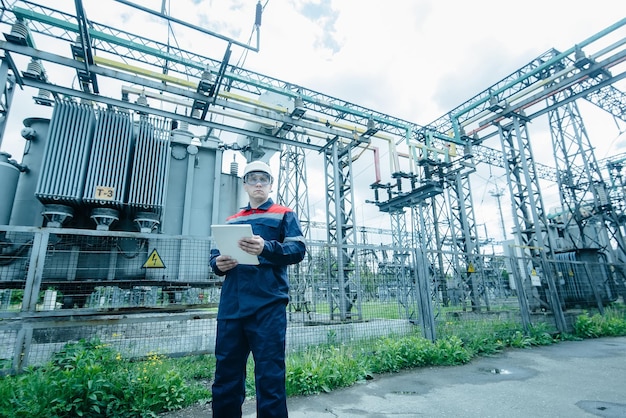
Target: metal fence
[(152, 293)]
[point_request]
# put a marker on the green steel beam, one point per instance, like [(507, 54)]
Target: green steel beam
[(365, 114), (544, 66)]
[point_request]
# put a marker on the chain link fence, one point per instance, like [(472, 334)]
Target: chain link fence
[(151, 293)]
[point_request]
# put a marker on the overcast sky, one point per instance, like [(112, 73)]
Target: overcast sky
[(409, 59)]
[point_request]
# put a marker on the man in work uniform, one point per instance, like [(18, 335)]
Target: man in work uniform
[(252, 314)]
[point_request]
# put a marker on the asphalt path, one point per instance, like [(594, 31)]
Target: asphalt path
[(571, 379)]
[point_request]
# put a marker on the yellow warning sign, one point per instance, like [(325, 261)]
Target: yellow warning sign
[(471, 269), (533, 272), (154, 261)]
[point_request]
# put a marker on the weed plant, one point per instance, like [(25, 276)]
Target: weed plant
[(610, 324), (90, 379)]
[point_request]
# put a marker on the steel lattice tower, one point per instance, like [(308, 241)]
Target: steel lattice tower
[(464, 235), (582, 189), (426, 232), (343, 275), (293, 193), (292, 185), (588, 209), (401, 265), (529, 217)]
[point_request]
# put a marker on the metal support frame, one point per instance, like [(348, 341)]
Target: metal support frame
[(585, 196), (424, 272), (425, 315), (402, 266), (81, 50), (293, 192), (432, 230), (292, 187), (582, 190), (611, 100), (343, 274), (464, 236), (133, 48), (531, 228)]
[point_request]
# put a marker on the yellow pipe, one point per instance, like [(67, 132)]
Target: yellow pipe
[(217, 111), (143, 71), (188, 103), (175, 80), (240, 98), (227, 95)]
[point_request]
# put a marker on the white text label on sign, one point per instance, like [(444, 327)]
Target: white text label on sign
[(104, 193)]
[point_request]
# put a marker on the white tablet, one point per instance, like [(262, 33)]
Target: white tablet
[(226, 237)]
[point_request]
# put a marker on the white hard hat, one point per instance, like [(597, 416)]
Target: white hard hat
[(258, 166)]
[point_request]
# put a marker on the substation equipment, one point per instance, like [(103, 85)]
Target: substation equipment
[(114, 169)]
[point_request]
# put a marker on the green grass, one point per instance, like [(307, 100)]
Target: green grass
[(89, 379), (369, 310), (391, 310)]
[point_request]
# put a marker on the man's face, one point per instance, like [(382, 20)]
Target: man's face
[(258, 185)]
